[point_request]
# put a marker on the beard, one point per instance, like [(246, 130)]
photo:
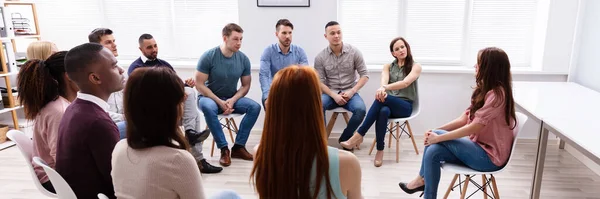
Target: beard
[(285, 43), (151, 56)]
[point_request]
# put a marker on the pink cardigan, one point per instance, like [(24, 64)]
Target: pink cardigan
[(496, 137), (45, 132)]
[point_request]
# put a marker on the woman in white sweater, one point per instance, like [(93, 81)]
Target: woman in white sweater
[(154, 161)]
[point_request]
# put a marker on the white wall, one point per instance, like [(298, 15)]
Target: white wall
[(560, 34), (309, 26), (587, 66)]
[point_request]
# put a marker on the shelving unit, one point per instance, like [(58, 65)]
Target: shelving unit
[(10, 36)]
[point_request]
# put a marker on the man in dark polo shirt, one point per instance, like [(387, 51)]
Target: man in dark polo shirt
[(86, 134)]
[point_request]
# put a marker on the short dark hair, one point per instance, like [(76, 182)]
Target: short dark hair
[(331, 23), (283, 22), (80, 58), (96, 35), (144, 36), (152, 101), (230, 27)]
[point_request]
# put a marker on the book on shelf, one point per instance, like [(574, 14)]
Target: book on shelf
[(6, 24)]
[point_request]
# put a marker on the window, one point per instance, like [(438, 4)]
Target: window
[(68, 29), (441, 32), (183, 29), (370, 26)]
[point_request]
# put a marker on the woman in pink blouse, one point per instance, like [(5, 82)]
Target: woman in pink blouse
[(488, 122), (45, 91)]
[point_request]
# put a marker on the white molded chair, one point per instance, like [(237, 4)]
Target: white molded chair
[(63, 190), (102, 196), (401, 126), (25, 145), (230, 125), (469, 173), (336, 112)]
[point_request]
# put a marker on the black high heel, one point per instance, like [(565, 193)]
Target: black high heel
[(411, 191)]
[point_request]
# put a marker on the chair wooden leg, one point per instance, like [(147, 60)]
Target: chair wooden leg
[(390, 135), (412, 137), (235, 126), (496, 193), (397, 143), (483, 180), (228, 125), (464, 191), (372, 146), (346, 117), (451, 185), (212, 149), (331, 123)]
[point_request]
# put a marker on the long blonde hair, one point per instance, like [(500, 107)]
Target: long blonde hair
[(293, 139), (40, 50)]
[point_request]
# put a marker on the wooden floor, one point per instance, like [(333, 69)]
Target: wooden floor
[(564, 176)]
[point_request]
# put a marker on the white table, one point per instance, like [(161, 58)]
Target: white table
[(567, 109)]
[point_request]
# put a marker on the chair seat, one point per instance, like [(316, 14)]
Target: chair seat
[(232, 115), (465, 170), (339, 110), (402, 119)]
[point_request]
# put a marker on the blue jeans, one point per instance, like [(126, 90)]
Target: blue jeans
[(457, 151), (380, 112), (244, 105), (354, 105), (225, 194), (122, 126)]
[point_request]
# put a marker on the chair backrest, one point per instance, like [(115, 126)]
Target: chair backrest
[(25, 145), (416, 103), (63, 190), (102, 196), (521, 119)]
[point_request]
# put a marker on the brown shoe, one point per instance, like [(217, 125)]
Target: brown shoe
[(225, 157), (241, 153)]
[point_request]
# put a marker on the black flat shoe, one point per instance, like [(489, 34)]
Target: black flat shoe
[(404, 188), (194, 137)]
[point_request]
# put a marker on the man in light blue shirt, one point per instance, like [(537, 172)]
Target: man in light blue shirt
[(278, 56)]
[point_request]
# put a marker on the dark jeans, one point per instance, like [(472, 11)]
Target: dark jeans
[(381, 111)]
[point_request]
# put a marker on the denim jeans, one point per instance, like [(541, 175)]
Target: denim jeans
[(380, 112), (457, 151), (354, 105), (244, 105), (122, 126), (225, 194)]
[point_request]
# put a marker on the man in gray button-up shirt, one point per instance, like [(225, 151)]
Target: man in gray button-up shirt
[(337, 66)]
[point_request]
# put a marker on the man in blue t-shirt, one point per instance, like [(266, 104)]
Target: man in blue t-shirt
[(218, 72)]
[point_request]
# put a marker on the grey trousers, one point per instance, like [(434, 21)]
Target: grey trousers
[(191, 120)]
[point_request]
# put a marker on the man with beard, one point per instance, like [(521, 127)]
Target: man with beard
[(278, 56), (149, 50), (191, 117), (218, 72)]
